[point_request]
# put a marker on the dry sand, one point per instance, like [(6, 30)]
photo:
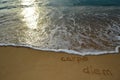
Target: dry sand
[(17, 63)]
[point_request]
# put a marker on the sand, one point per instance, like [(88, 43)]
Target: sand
[(18, 63)]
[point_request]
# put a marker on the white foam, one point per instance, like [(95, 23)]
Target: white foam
[(117, 38), (64, 50)]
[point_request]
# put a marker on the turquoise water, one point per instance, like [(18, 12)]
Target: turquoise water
[(73, 26)]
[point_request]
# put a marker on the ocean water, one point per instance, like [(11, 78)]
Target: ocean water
[(81, 27)]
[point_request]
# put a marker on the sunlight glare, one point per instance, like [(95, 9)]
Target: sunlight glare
[(27, 2), (30, 14)]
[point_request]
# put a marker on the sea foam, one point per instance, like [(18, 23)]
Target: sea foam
[(65, 50)]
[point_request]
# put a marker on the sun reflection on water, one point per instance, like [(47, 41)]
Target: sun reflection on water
[(35, 19), (27, 2), (30, 13)]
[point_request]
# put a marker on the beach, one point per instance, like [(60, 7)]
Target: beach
[(19, 63), (35, 34)]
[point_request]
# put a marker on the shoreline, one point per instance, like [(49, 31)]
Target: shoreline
[(117, 50)]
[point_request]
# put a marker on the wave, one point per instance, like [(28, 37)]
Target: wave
[(64, 50), (83, 30)]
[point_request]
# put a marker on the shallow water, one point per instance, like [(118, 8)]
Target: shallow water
[(79, 26)]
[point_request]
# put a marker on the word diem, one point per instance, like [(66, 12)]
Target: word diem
[(97, 71)]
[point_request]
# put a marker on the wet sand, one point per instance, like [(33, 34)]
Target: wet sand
[(18, 63)]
